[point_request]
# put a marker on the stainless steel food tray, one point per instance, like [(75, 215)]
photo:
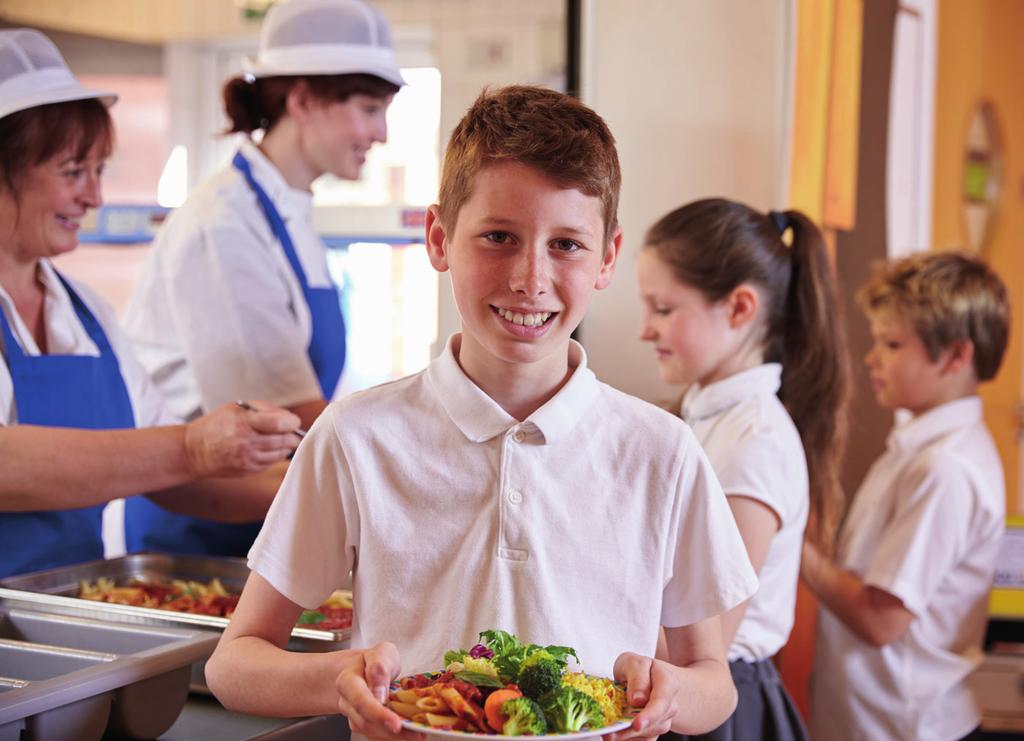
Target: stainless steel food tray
[(54, 590), (74, 678)]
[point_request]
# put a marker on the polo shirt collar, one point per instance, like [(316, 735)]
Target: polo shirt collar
[(711, 400), (935, 423), (480, 418), (291, 203)]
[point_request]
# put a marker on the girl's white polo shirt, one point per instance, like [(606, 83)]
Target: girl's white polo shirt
[(65, 335), (217, 313), (756, 452), (925, 526), (589, 524)]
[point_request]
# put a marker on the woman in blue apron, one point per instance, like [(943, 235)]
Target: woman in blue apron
[(236, 300), (71, 394)]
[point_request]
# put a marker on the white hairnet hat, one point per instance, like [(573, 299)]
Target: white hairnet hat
[(324, 37), (33, 73)]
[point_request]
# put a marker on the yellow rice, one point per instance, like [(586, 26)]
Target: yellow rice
[(608, 694)]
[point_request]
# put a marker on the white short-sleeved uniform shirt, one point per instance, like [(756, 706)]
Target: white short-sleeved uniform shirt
[(756, 452), (925, 526), (65, 335), (589, 524), (218, 313)]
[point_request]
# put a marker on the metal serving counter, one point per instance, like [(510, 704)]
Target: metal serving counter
[(204, 718), (56, 590), (80, 669), (72, 678)]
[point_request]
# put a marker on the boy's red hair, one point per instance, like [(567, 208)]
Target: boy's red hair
[(547, 130)]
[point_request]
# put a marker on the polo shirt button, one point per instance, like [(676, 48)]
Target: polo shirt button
[(515, 497), (519, 436)]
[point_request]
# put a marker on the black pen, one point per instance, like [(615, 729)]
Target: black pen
[(250, 408)]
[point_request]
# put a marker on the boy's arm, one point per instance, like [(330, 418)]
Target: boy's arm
[(693, 693), (872, 614), (758, 524), (251, 672)]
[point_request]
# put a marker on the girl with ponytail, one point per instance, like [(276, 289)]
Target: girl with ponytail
[(742, 310)]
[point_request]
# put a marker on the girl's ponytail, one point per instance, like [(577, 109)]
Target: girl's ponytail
[(816, 372), (715, 245)]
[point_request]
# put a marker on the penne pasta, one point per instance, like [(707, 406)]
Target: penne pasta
[(444, 721), (420, 718), (431, 704), (462, 707), (406, 696), (405, 709)]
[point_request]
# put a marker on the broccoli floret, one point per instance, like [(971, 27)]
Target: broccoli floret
[(525, 718), (539, 674), (568, 710)]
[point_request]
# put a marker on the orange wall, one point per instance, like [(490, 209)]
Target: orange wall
[(980, 56)]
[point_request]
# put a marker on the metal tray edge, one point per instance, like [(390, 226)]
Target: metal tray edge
[(89, 608)]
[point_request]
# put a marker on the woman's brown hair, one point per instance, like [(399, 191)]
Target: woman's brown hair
[(30, 137), (714, 245), (260, 103)]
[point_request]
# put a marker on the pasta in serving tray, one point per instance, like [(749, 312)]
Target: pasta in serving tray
[(207, 598)]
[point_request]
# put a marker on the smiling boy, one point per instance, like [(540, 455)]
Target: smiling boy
[(905, 602), (503, 486)]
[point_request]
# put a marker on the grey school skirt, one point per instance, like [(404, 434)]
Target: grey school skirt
[(764, 712)]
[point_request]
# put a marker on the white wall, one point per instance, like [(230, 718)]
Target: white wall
[(911, 138), (697, 95)]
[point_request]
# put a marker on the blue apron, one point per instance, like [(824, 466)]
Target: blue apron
[(80, 391), (147, 526)]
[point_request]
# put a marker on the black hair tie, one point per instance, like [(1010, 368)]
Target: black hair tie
[(781, 220)]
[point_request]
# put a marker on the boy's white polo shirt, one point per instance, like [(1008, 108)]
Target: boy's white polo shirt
[(217, 313), (925, 526), (756, 452), (589, 524)]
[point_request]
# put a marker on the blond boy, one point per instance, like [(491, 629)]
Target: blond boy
[(504, 486), (905, 602)]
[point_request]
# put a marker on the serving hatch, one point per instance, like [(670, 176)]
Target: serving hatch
[(56, 591), (74, 679)]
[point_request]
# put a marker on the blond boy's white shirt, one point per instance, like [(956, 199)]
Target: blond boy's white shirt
[(218, 313), (925, 526), (589, 524), (65, 335), (756, 452)]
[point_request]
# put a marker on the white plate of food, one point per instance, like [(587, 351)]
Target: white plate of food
[(502, 687), (449, 733)]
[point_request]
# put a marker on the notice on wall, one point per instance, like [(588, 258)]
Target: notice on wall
[(1010, 561)]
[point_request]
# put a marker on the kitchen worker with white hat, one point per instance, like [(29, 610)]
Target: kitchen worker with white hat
[(73, 398), (235, 299)]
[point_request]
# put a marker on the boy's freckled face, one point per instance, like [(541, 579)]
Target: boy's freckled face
[(524, 258), (902, 374)]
